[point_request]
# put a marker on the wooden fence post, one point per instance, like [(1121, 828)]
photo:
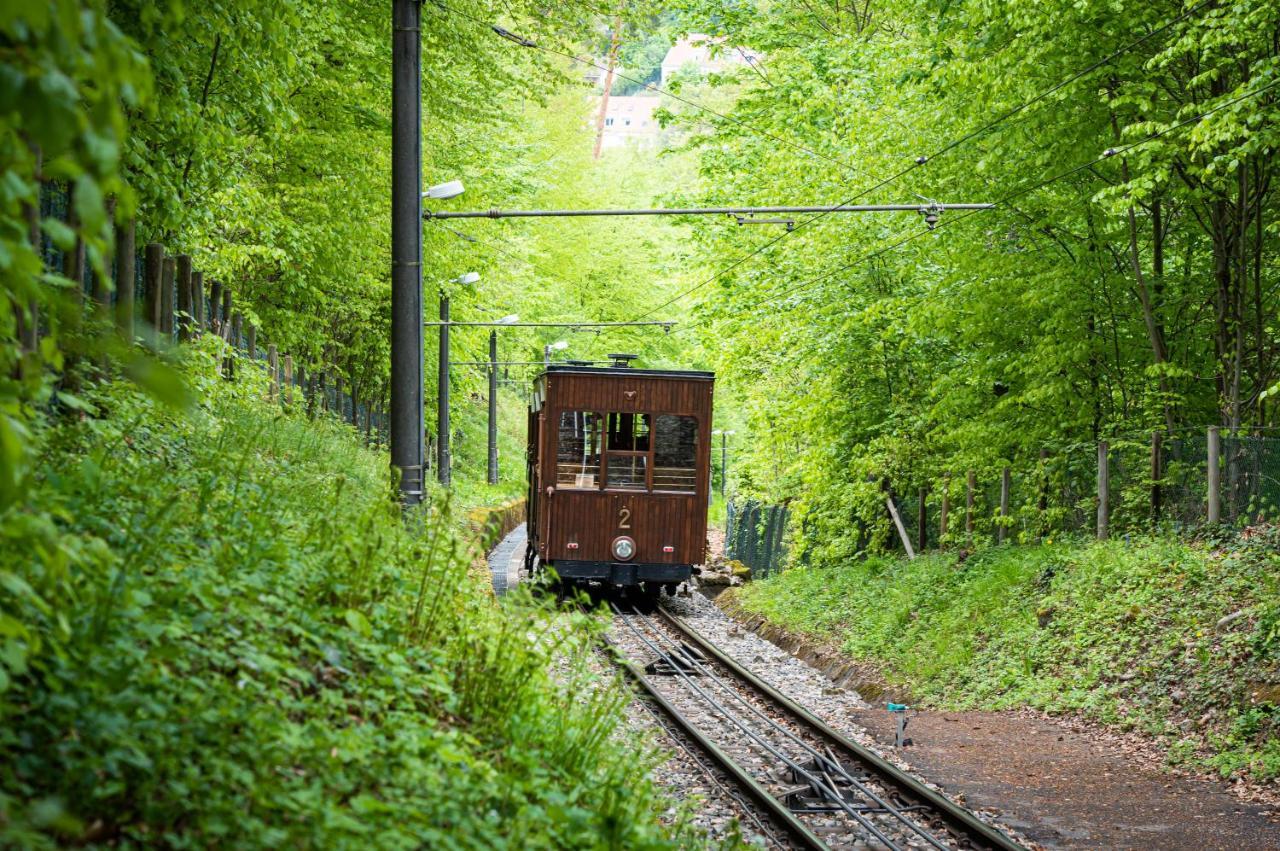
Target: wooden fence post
[(236, 320), (216, 319), (226, 313), (126, 272), (1214, 471), (185, 310), (167, 283), (197, 302), (1104, 491), (1004, 504), (1157, 473), (251, 341), (946, 508), (151, 274), (288, 380), (922, 520), (273, 370), (971, 484)]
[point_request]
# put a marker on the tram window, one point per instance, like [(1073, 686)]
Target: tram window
[(627, 472), (578, 450), (675, 453), (628, 432)]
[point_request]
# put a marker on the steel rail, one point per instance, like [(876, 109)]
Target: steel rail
[(922, 207), (814, 782), (821, 760), (798, 829), (956, 816)]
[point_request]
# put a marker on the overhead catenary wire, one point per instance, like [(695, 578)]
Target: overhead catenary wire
[(1106, 155)]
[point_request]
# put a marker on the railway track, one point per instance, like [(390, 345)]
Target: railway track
[(808, 786)]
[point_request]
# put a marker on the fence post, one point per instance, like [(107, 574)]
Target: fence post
[(126, 271), (185, 310), (946, 508), (226, 313), (338, 384), (151, 272), (922, 520), (971, 484), (288, 380), (236, 320), (1104, 491), (215, 305), (1157, 473), (1004, 504), (273, 369), (197, 302), (167, 283), (251, 341), (1214, 475)]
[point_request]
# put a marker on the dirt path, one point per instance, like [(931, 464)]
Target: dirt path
[(1066, 789)]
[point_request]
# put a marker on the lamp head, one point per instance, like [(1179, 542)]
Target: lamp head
[(441, 191)]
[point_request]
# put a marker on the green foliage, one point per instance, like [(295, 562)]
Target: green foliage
[(1127, 633), (865, 345), (217, 629)]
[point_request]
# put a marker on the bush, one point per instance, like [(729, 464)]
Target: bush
[(215, 628)]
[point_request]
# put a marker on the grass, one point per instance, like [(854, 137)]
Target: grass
[(216, 629), (1124, 632)]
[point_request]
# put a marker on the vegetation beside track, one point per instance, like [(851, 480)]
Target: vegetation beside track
[(216, 630), (1178, 640)]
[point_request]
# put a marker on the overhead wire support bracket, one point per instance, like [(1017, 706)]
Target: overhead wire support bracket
[(702, 211)]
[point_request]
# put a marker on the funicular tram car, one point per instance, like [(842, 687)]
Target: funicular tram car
[(619, 480)]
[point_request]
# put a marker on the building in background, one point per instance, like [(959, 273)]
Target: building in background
[(696, 51), (630, 119)]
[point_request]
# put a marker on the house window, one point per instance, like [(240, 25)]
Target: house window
[(608, 122), (627, 122), (578, 450), (675, 453)]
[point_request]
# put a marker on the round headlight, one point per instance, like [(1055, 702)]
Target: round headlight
[(623, 548)]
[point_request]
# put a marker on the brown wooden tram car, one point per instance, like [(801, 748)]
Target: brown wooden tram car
[(619, 480)]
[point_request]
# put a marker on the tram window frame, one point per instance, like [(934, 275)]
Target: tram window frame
[(594, 439), (656, 436)]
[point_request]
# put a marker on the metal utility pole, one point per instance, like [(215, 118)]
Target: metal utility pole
[(443, 466), (493, 407), (406, 248), (615, 39)]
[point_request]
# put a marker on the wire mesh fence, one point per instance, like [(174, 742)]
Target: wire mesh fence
[(1125, 486), (756, 536)]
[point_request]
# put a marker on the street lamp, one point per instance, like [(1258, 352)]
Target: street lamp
[(443, 459), (493, 397), (558, 346), (724, 457)]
